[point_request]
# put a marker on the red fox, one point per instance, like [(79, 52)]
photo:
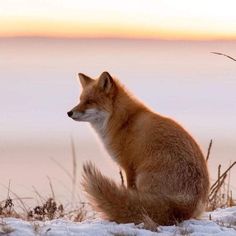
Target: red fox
[(166, 173)]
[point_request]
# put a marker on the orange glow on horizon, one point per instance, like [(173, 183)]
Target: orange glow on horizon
[(182, 19), (75, 30)]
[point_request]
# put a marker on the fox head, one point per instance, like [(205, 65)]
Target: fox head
[(96, 99)]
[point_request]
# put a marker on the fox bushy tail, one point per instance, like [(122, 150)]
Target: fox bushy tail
[(122, 205)]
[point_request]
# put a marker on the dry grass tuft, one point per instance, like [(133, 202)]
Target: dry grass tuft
[(231, 225), (7, 209), (149, 224), (49, 208), (48, 211), (220, 194), (79, 214)]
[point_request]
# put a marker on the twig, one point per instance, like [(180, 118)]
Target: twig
[(64, 169), (218, 181), (51, 187), (215, 187), (18, 198), (222, 175), (218, 188), (39, 195), (222, 54), (209, 150), (228, 186), (67, 188), (219, 168), (74, 176), (14, 199), (122, 178), (8, 190), (231, 201)]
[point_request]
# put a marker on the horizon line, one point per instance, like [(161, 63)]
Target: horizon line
[(113, 38)]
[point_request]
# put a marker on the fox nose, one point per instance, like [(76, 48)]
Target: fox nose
[(70, 113)]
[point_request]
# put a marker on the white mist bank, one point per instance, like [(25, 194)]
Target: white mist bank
[(38, 86)]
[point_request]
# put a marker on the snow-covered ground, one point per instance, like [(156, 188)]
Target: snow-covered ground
[(222, 223)]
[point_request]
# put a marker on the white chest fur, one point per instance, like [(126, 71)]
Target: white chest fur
[(100, 126)]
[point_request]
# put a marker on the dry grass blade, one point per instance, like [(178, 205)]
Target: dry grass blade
[(18, 198), (231, 200), (209, 150), (122, 178), (216, 199), (219, 169), (228, 189), (15, 199), (8, 190), (218, 181), (149, 224), (42, 199), (74, 166), (213, 186), (219, 196), (216, 190), (225, 55), (51, 187), (64, 169)]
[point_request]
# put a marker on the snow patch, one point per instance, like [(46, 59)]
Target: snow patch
[(223, 223)]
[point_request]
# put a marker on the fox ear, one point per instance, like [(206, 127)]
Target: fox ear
[(105, 81), (84, 79)]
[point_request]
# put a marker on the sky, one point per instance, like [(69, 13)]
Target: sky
[(163, 19)]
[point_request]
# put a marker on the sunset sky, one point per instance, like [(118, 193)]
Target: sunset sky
[(165, 19)]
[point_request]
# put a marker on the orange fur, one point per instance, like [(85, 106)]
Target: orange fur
[(167, 177)]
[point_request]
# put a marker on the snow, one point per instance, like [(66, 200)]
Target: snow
[(222, 223)]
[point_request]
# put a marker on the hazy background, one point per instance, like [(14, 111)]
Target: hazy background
[(38, 85)]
